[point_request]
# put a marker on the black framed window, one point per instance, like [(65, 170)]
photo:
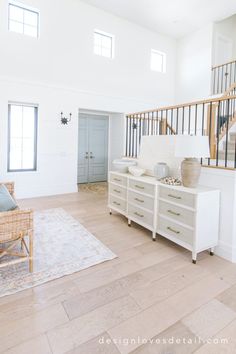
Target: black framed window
[(22, 137)]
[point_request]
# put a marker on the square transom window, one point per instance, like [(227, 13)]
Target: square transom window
[(23, 19), (103, 44), (158, 61)]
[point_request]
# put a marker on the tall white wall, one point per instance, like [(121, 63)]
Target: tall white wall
[(194, 61), (225, 29), (60, 73), (225, 181)]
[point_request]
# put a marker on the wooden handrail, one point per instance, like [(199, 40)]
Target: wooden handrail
[(209, 100), (227, 63)]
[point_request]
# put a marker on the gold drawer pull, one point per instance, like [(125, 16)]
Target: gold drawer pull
[(116, 203), (173, 212), (140, 215), (172, 230), (174, 196), (139, 200), (117, 191), (117, 179), (140, 187)]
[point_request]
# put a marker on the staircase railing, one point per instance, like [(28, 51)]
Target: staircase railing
[(212, 117), (223, 76)]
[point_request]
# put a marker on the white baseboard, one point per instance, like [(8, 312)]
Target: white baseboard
[(43, 191), (226, 251)]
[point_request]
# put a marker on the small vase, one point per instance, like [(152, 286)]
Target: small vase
[(161, 170)]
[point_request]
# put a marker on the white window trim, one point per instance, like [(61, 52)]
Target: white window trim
[(155, 51), (112, 42), (35, 168), (24, 7)]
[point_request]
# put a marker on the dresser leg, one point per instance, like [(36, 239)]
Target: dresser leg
[(194, 257), (154, 236), (110, 212), (212, 251), (129, 222)]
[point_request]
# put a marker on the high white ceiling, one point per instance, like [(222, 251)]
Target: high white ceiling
[(175, 18)]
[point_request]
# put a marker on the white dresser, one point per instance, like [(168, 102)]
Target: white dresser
[(186, 216)]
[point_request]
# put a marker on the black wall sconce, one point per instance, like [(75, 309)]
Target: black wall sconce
[(65, 120)]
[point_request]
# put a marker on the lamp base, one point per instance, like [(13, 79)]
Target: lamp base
[(190, 172)]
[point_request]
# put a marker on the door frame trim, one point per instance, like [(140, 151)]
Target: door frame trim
[(95, 113)]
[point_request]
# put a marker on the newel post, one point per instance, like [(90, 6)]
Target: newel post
[(211, 127)]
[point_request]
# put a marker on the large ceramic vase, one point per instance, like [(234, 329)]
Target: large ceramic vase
[(190, 172)]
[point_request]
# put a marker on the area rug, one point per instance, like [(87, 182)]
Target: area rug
[(99, 188), (62, 246)]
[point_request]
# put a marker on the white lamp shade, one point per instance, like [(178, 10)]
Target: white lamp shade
[(192, 146)]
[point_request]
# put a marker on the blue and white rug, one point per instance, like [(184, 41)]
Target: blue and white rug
[(62, 246)]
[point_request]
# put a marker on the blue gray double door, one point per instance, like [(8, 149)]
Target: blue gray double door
[(93, 148)]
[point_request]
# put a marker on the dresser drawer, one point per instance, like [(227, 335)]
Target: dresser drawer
[(117, 190), (178, 197), (141, 215), (118, 179), (142, 187), (174, 230), (117, 203), (141, 200), (177, 213)]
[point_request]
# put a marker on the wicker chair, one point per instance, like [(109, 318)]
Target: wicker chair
[(14, 227)]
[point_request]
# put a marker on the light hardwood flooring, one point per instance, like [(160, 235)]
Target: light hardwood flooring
[(151, 292)]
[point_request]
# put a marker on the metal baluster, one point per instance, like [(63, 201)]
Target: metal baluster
[(130, 132), (171, 121), (222, 79), (189, 119), (177, 120), (195, 129), (152, 124), (166, 121), (226, 77)]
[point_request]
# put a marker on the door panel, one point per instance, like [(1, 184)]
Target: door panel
[(98, 148), (93, 148), (83, 150)]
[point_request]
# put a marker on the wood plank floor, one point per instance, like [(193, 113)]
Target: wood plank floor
[(150, 299)]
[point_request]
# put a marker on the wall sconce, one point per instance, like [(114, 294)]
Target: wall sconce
[(65, 120)]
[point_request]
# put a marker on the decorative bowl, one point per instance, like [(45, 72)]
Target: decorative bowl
[(136, 171)]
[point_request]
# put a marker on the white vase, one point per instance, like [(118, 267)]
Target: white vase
[(161, 170)]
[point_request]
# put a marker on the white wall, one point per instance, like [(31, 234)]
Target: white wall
[(60, 73), (194, 60), (225, 181), (63, 55), (227, 30)]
